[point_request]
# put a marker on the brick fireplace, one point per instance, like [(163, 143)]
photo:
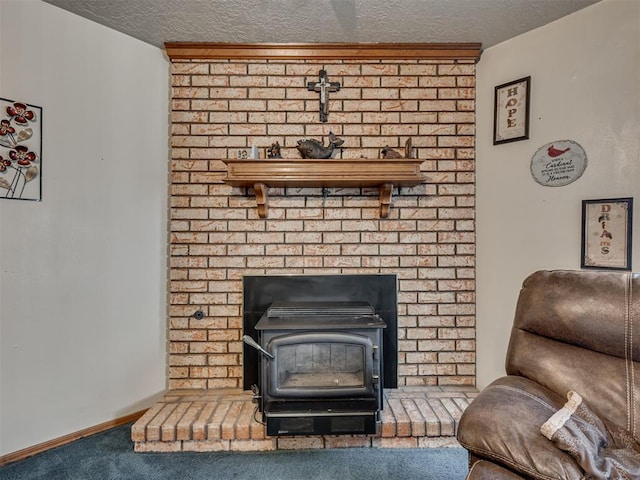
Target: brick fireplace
[(220, 105)]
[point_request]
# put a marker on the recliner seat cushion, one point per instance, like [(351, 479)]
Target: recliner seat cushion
[(601, 453)]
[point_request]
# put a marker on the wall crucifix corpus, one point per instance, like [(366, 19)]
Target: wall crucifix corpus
[(324, 87)]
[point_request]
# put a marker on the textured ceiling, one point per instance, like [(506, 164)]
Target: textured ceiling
[(323, 21)]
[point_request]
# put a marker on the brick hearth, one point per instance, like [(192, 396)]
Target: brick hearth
[(223, 420)]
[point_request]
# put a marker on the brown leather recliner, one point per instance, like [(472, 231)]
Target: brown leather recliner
[(573, 331)]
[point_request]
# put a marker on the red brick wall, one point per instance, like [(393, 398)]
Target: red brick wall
[(216, 236)]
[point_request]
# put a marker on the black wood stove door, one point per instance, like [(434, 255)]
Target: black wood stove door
[(321, 365)]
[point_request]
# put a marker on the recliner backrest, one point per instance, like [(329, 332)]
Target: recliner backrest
[(580, 330)]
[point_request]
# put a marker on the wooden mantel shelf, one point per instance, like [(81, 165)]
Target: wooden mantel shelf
[(333, 172)]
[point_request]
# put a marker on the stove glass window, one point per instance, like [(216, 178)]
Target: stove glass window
[(321, 365)]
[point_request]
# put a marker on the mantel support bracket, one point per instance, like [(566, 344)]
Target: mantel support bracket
[(262, 199), (386, 191)]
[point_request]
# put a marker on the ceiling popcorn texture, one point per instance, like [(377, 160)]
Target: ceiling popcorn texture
[(323, 21)]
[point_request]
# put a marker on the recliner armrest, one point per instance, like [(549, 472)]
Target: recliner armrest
[(485, 470), (502, 425)]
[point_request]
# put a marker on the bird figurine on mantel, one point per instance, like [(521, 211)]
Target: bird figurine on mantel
[(388, 152), (311, 148)]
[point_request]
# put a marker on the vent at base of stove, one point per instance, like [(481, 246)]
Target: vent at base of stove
[(323, 425)]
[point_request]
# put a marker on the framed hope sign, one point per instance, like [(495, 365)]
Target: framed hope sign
[(511, 111)]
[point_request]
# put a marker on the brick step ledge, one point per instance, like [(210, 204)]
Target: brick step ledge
[(223, 420)]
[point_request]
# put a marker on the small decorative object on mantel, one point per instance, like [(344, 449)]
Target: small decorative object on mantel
[(511, 111), (311, 148), (323, 86), (20, 150), (606, 233), (274, 151), (558, 163), (388, 152)]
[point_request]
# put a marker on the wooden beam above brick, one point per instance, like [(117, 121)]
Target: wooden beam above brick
[(324, 51)]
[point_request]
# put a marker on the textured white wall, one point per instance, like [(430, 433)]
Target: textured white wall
[(585, 71), (82, 273), (82, 297)]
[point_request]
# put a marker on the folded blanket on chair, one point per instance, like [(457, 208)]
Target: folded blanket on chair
[(604, 454)]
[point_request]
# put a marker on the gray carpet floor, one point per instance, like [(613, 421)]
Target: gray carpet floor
[(110, 456)]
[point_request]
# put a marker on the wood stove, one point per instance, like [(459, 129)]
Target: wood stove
[(320, 358), (320, 370)]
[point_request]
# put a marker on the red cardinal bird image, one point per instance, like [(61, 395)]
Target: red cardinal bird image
[(554, 152)]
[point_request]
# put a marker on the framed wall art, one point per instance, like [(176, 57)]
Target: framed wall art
[(606, 233), (20, 150), (511, 111)]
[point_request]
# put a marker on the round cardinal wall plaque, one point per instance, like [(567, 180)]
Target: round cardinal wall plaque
[(558, 163)]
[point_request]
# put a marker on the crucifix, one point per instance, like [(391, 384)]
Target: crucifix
[(324, 87)]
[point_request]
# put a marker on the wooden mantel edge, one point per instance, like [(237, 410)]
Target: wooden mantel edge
[(323, 51)]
